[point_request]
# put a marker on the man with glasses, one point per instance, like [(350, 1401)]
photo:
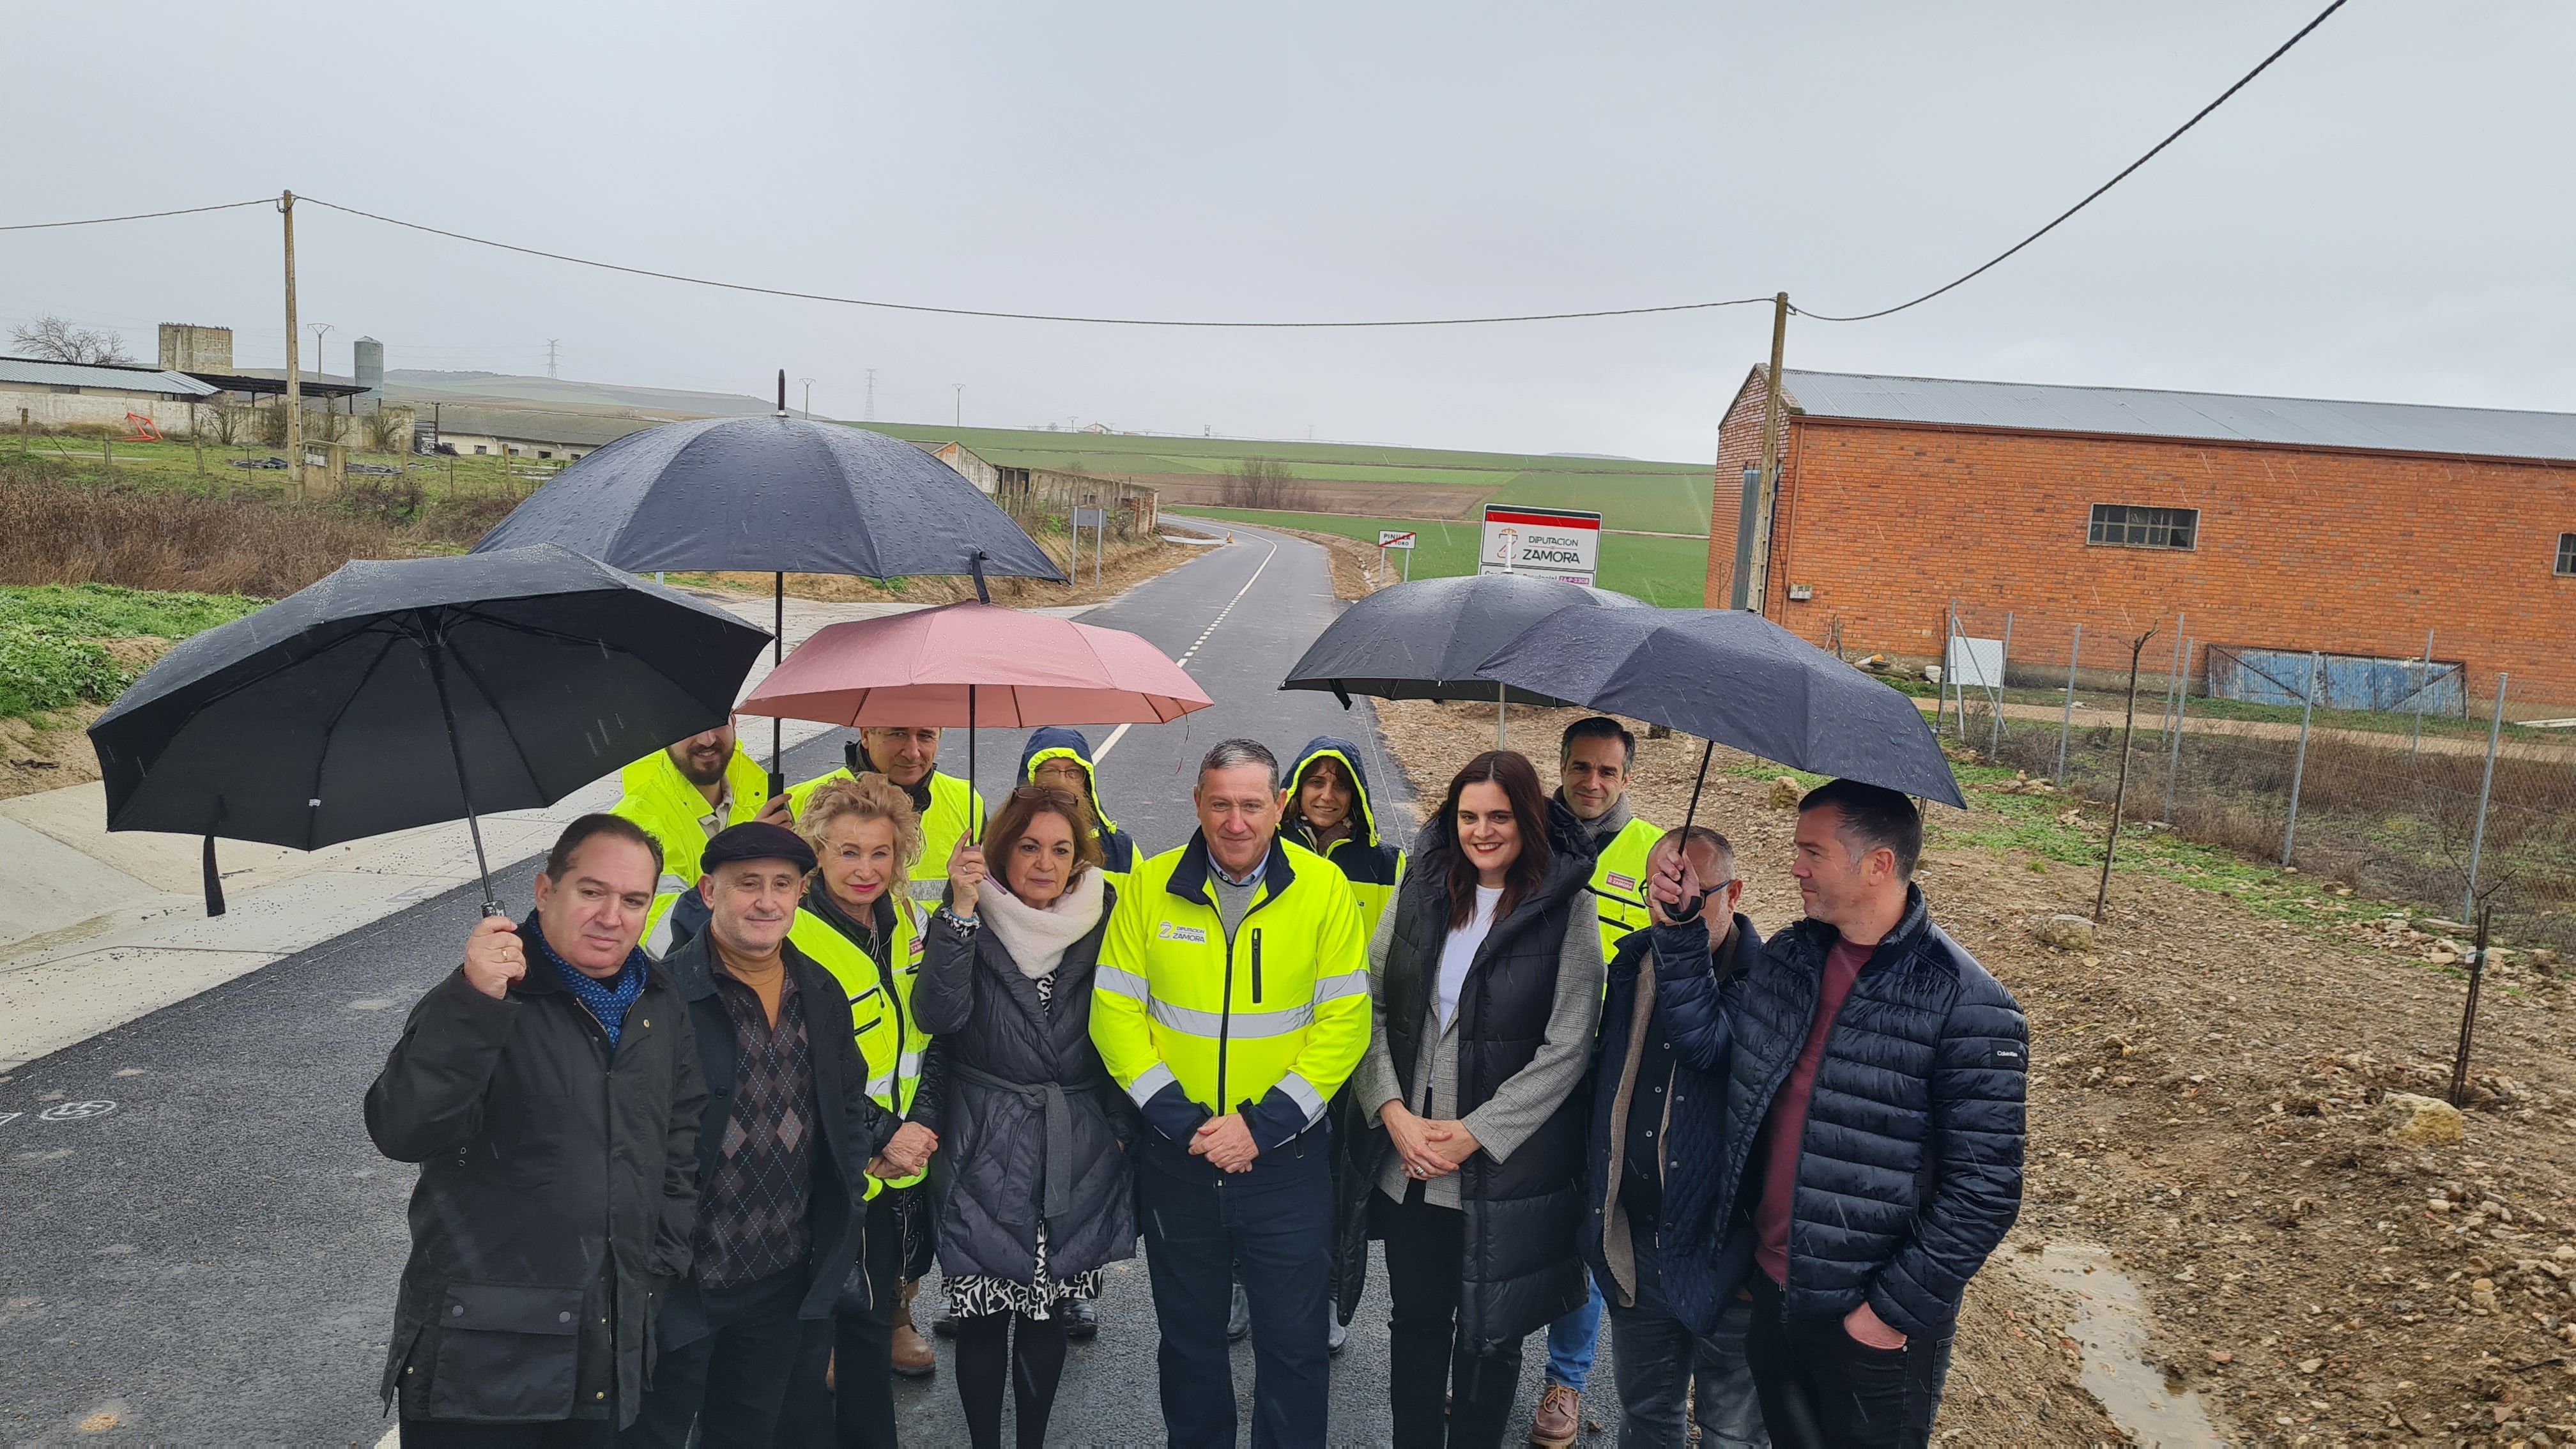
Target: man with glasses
[(1655, 1150)]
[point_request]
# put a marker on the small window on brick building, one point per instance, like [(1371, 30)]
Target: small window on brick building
[(2567, 555), (2121, 525)]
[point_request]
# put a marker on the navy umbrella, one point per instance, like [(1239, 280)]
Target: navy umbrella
[(1426, 639), (774, 495), (396, 694), (1732, 678)]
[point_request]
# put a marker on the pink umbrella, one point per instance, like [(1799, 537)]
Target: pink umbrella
[(975, 664)]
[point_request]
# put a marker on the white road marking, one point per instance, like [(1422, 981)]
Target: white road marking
[(1109, 744), (1184, 660)]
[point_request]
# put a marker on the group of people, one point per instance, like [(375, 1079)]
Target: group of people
[(1542, 1057)]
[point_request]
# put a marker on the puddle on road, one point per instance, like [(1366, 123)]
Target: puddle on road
[(2111, 1327)]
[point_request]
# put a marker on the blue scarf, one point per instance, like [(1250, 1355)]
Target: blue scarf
[(607, 1000)]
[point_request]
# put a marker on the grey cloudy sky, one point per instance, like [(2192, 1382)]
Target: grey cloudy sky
[(2385, 215)]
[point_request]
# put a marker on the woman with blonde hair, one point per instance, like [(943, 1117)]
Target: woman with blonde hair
[(858, 921), (1039, 1199)]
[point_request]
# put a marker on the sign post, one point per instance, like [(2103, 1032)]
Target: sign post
[(1552, 543), (1388, 538), (1097, 520)]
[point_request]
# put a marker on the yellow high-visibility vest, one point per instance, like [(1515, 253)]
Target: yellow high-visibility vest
[(661, 800), (880, 1007), (1619, 872), (1283, 1002)]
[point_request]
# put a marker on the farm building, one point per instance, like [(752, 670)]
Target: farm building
[(2272, 527), (515, 433), (48, 395)]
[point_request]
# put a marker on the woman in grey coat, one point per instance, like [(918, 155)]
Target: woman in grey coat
[(1032, 1131)]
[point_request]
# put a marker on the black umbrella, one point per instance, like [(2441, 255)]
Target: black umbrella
[(391, 695), (1732, 678), (1425, 640), (775, 495)]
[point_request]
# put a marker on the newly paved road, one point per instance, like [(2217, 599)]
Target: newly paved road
[(200, 1246)]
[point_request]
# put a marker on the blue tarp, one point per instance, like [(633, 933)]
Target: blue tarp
[(2344, 681)]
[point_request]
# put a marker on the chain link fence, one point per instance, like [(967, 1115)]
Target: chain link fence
[(2406, 779)]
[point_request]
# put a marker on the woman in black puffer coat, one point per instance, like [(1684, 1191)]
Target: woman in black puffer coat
[(1037, 1196), (1487, 982)]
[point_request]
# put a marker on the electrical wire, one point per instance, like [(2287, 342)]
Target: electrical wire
[(1032, 316), (2096, 193), (138, 216)]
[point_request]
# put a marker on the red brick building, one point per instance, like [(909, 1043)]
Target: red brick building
[(2272, 523)]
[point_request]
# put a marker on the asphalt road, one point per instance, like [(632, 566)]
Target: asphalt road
[(202, 1247)]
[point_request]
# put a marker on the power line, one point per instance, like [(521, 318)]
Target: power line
[(1028, 316), (2096, 193), (138, 216)]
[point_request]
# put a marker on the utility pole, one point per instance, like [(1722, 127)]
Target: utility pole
[(294, 381), (320, 368), (809, 399), (550, 356), (960, 420), (872, 394), (1768, 496)]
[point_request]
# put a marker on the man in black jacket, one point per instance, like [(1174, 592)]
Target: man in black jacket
[(788, 1130), (549, 1090), (1655, 1148), (1873, 1126)]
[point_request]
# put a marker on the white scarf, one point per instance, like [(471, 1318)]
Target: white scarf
[(1037, 939)]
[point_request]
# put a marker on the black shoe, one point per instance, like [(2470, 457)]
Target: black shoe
[(1080, 1324), (945, 1325)]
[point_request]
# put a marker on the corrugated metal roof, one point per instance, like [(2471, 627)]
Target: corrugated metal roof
[(571, 430), (2204, 416), (82, 374)]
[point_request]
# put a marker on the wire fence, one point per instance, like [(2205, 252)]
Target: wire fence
[(2404, 778)]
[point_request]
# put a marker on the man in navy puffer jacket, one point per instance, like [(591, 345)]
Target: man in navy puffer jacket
[(1873, 1126)]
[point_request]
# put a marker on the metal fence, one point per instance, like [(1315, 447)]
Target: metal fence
[(2403, 778)]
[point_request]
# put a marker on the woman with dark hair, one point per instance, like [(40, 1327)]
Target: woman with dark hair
[(1037, 1196), (1486, 977)]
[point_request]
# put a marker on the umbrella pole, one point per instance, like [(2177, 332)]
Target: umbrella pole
[(1502, 712), (777, 656), (456, 750), (974, 817), (1692, 813)]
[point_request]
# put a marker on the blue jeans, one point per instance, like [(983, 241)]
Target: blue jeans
[(1658, 1360), (1573, 1339)]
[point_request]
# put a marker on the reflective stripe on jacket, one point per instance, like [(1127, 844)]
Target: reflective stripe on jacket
[(890, 1040), (1283, 1003), (955, 808)]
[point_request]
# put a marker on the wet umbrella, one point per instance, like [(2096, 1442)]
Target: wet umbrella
[(774, 495), (1733, 678), (405, 693), (1424, 640), (975, 664)]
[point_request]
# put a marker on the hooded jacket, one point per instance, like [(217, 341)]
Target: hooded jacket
[(1373, 867), (1117, 847)]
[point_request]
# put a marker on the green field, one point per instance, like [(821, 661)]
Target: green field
[(1663, 571), (1629, 493)]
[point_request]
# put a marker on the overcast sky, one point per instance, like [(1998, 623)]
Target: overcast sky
[(2386, 214)]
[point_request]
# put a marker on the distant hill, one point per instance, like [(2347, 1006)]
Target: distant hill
[(567, 395), (1358, 478)]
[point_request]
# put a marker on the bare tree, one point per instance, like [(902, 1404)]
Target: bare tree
[(52, 339), (1266, 483)]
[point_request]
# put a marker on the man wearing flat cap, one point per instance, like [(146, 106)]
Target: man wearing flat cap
[(788, 1131)]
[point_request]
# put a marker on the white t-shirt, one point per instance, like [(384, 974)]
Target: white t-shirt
[(1458, 952)]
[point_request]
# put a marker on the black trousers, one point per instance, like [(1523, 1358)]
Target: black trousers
[(857, 1410), (1270, 1229), (1823, 1389), (1425, 1273), (1029, 1354), (733, 1383), (561, 1434)]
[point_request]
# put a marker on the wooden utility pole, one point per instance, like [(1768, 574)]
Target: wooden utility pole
[(1768, 496), (294, 379)]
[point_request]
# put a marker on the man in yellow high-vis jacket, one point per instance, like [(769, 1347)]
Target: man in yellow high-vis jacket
[(950, 808), (683, 796), (1232, 1001)]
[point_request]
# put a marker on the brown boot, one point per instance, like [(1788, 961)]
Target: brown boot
[(912, 1356), (1559, 1418)]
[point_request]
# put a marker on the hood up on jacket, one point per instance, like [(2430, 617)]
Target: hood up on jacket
[(1364, 831), (1055, 742)]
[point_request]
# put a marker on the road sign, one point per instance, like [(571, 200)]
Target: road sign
[(1552, 543), (1390, 538), (1090, 518)]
